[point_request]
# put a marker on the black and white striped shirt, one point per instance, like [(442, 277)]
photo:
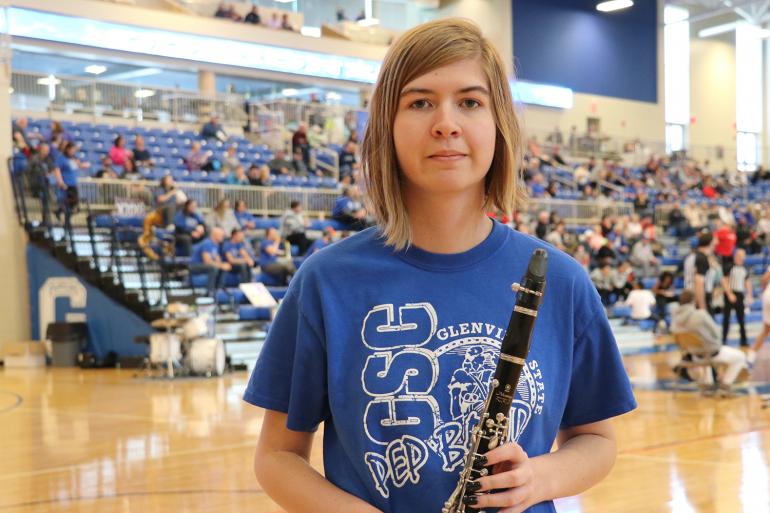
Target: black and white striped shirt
[(737, 278), (688, 269)]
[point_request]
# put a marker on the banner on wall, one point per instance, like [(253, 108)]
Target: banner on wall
[(59, 295)]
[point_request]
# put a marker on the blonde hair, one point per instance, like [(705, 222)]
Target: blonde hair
[(418, 51)]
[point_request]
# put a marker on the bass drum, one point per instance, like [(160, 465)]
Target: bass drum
[(207, 356), (165, 347)]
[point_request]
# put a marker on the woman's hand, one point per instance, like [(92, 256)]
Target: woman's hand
[(513, 477)]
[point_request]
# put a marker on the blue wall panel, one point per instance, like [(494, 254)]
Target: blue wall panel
[(571, 44)]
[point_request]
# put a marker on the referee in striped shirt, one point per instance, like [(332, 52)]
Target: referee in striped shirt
[(737, 288)]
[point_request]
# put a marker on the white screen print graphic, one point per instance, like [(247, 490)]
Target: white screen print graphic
[(408, 416), (60, 287)]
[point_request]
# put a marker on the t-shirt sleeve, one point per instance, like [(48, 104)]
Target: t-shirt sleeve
[(701, 264), (599, 386), (290, 374)]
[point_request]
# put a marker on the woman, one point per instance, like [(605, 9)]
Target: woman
[(190, 228), (377, 329), (222, 216), (119, 155)]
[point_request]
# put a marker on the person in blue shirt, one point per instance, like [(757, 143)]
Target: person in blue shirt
[(389, 337), (207, 260), (237, 253), (318, 244), (66, 178), (348, 209), (273, 258), (190, 228)]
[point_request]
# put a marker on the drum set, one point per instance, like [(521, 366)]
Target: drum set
[(185, 347)]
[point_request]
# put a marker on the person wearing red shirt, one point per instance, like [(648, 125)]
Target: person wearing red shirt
[(725, 245)]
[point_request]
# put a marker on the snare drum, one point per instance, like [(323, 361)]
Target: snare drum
[(165, 347), (207, 356)]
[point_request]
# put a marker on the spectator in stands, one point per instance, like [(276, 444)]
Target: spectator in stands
[(238, 254), (745, 237), (259, 175), (349, 210), (726, 239), (238, 177), (21, 140), (689, 319), (763, 226), (623, 280), (222, 216), (279, 165), (556, 237), (556, 157), (58, 136), (106, 170), (40, 166), (119, 154), (169, 199), (603, 279), (213, 130), (299, 142), (543, 224), (66, 179), (348, 160), (664, 294), (298, 165), (641, 302), (253, 16), (142, 157), (206, 259), (293, 226), (230, 161), (197, 158), (274, 22), (678, 223), (285, 23), (245, 218), (273, 260), (222, 11), (644, 260), (736, 284), (190, 228), (326, 239)]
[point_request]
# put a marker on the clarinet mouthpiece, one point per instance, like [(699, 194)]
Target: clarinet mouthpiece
[(538, 264)]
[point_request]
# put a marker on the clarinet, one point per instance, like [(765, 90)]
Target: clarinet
[(494, 423)]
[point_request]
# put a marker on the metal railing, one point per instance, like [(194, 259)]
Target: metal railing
[(336, 121), (79, 95), (265, 201), (273, 201), (580, 212)]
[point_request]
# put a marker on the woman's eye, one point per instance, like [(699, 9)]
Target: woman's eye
[(470, 103), (420, 104)]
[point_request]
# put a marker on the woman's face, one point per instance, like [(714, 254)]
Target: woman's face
[(444, 131)]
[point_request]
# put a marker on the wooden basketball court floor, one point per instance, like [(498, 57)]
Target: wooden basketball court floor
[(104, 441)]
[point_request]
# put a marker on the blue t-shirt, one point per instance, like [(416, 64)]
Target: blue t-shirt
[(265, 257), (69, 170), (317, 245), (205, 246), (244, 218), (342, 206), (187, 222), (394, 352), (234, 249)]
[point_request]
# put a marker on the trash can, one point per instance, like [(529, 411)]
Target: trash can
[(67, 341)]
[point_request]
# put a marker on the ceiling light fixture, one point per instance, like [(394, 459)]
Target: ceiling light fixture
[(717, 29), (144, 93), (50, 80), (613, 5), (95, 69)]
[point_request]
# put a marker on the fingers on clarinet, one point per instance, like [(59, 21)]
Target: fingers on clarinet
[(504, 499), (501, 481), (507, 452)]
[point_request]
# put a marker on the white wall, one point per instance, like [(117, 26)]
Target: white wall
[(712, 100), (494, 18)]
